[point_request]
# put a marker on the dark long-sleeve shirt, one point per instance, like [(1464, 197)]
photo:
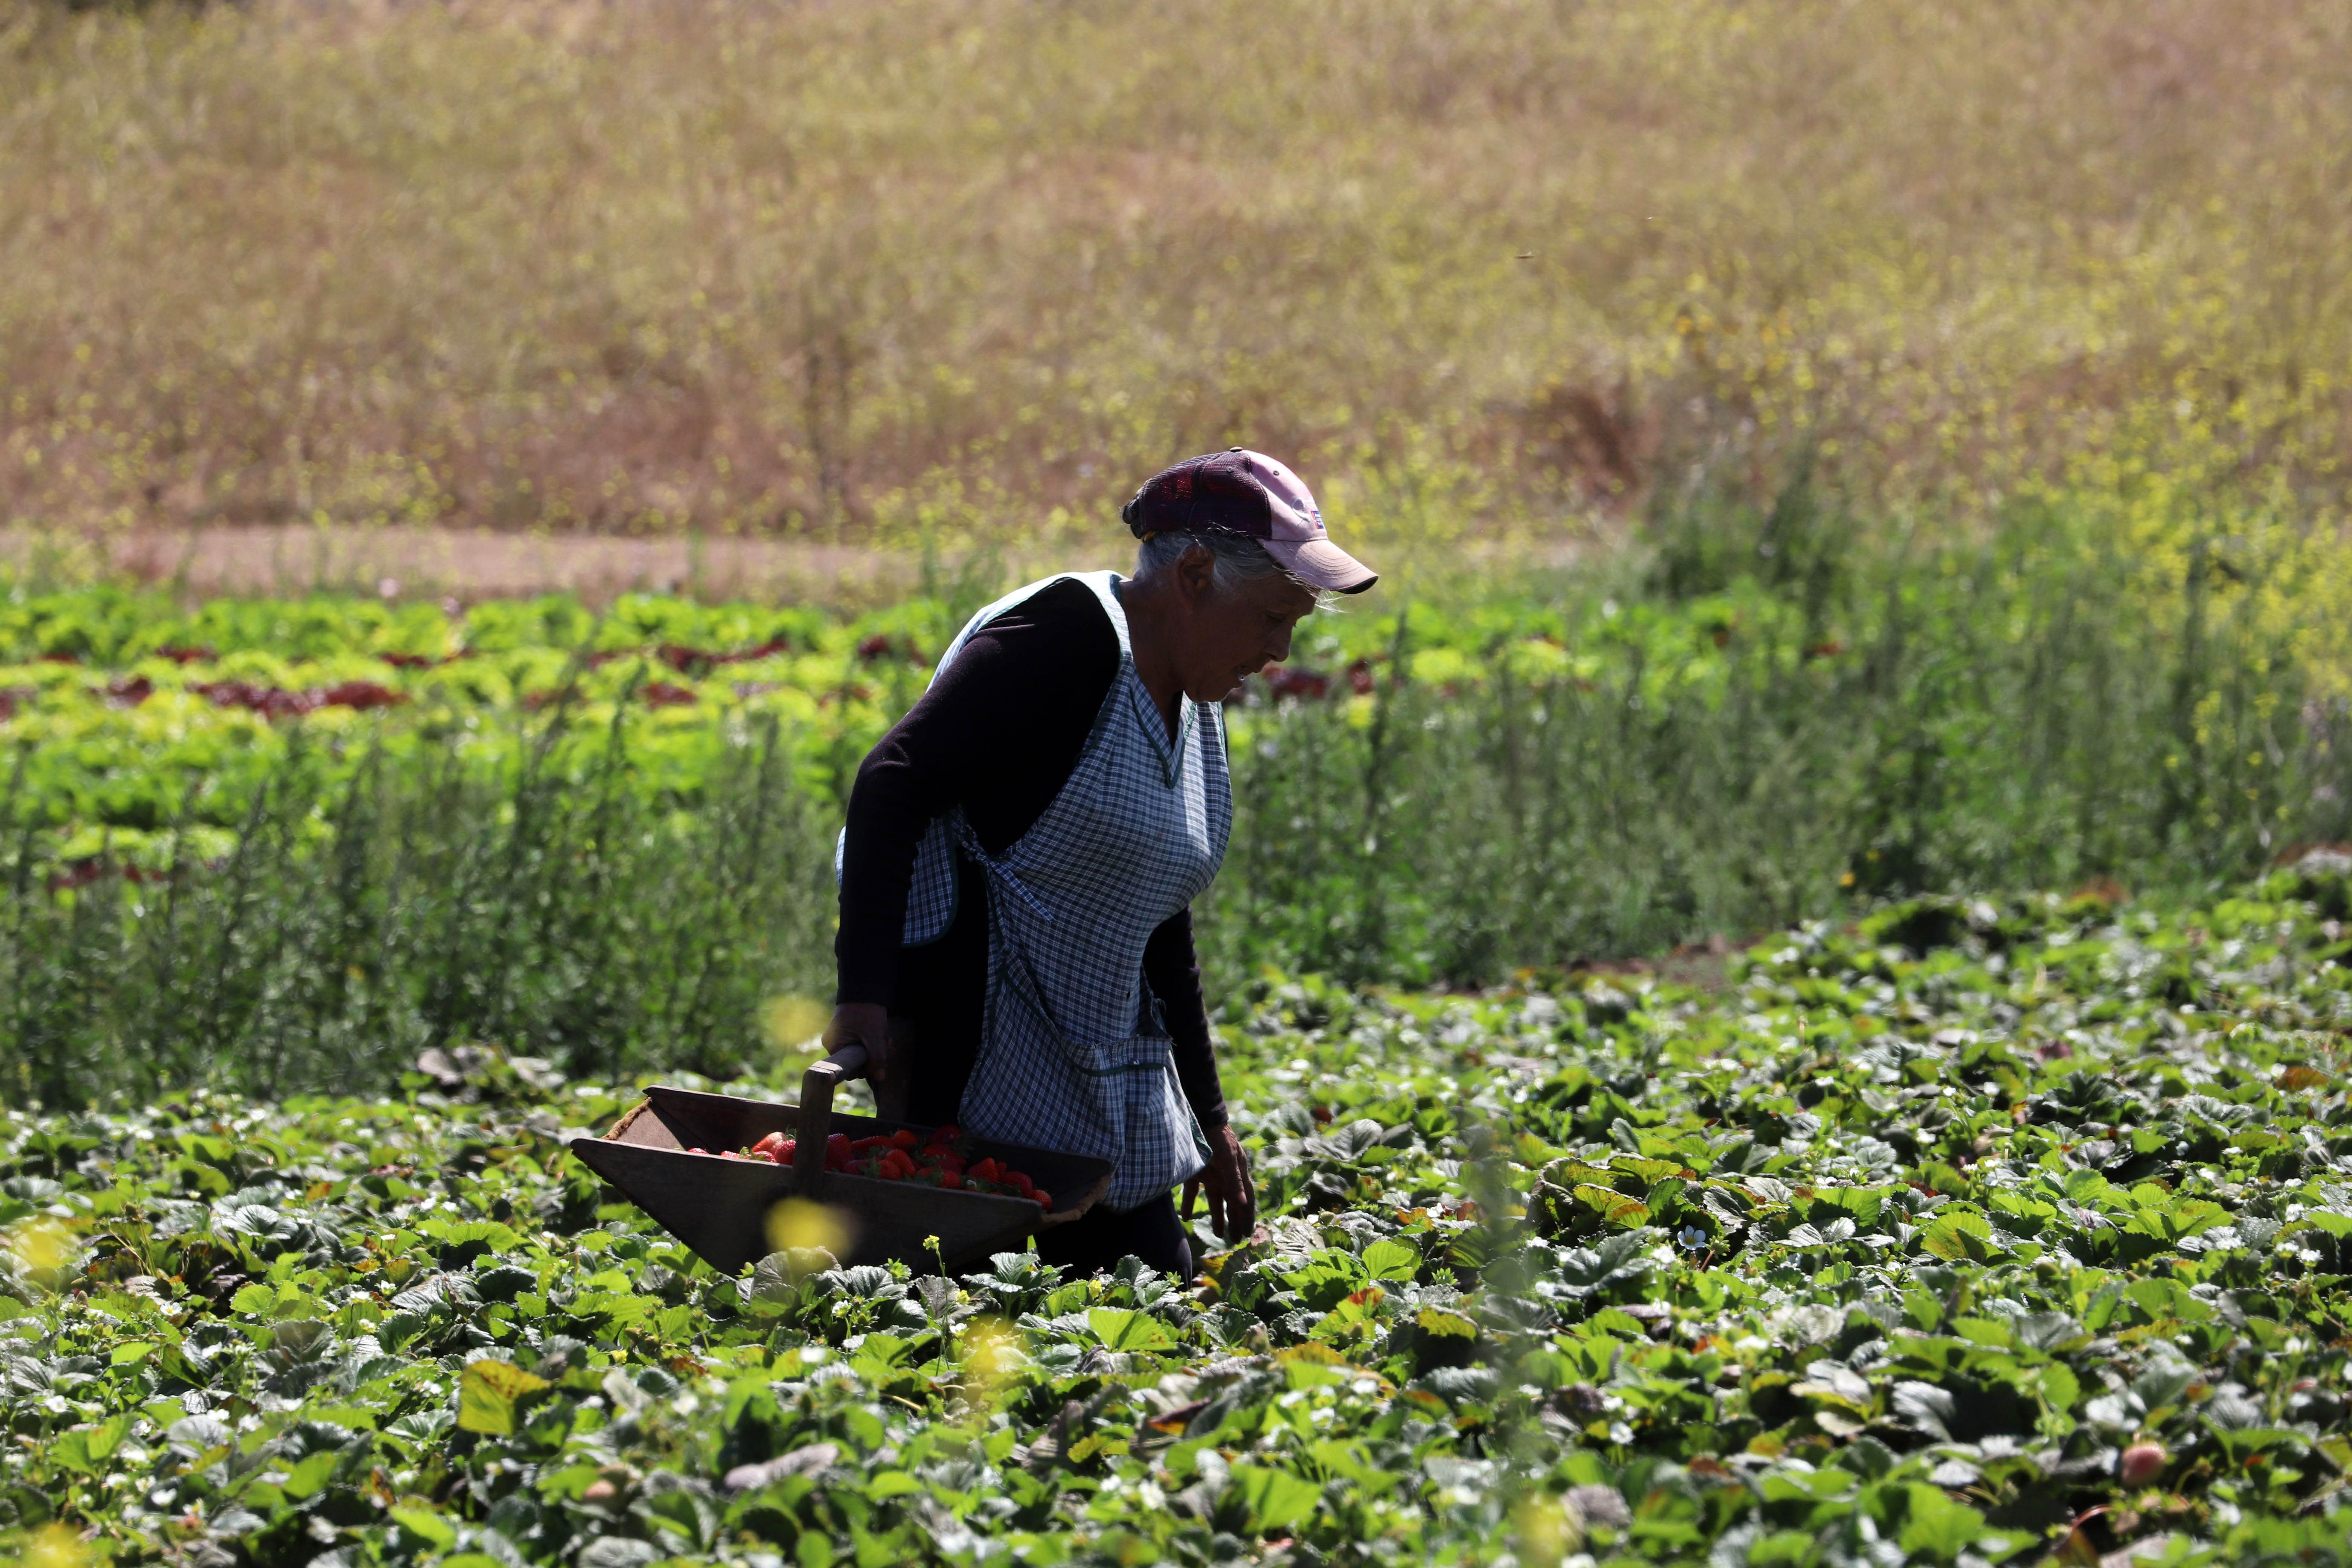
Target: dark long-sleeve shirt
[(999, 734)]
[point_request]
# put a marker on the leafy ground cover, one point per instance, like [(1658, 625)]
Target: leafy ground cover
[(1983, 1231), (137, 720)]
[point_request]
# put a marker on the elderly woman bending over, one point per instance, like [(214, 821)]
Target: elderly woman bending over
[(1015, 950)]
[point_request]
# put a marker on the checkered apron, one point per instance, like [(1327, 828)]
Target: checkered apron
[(1073, 1054)]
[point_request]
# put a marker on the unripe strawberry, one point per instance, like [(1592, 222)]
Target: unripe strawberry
[(2142, 1463)]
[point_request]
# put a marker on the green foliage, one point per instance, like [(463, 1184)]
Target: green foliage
[(1928, 1234), (605, 840), (1725, 749), (565, 912)]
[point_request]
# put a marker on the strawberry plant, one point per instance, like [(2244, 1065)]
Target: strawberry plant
[(1983, 1231)]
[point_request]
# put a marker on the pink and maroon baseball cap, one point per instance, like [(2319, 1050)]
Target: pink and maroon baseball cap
[(1241, 492)]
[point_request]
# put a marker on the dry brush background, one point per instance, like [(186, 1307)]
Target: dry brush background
[(861, 271)]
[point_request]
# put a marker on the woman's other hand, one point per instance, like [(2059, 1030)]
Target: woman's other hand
[(1233, 1199), (866, 1024)]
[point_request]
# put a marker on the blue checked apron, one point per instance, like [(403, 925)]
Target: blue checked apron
[(1073, 1054)]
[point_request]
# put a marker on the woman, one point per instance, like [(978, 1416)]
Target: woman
[(1015, 950)]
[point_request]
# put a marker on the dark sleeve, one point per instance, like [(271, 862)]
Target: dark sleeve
[(1174, 972), (998, 734)]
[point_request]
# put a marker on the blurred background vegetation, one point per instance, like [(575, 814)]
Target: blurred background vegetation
[(852, 270)]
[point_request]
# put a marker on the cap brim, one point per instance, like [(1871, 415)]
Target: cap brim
[(1319, 564)]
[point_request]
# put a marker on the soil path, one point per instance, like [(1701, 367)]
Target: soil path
[(464, 564)]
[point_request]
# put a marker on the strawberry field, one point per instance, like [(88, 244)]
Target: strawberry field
[(1787, 975), (1980, 1232), (1933, 1224)]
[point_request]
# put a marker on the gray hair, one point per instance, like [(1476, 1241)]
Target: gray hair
[(1234, 559)]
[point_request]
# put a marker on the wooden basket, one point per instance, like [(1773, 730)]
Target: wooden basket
[(720, 1207)]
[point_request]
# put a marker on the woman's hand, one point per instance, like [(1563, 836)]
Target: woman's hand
[(1233, 1201), (865, 1024)]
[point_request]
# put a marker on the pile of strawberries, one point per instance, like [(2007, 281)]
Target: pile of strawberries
[(901, 1156)]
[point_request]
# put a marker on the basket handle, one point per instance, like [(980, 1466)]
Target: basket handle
[(816, 1116)]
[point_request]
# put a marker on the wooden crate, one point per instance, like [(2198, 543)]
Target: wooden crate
[(720, 1207)]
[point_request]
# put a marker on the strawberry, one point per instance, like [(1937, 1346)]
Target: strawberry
[(901, 1157), (2142, 1463)]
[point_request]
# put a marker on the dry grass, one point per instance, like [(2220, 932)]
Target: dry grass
[(876, 267)]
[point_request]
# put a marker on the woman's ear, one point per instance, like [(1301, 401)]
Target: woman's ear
[(1196, 574)]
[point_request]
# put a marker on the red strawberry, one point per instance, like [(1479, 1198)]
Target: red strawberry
[(2142, 1463)]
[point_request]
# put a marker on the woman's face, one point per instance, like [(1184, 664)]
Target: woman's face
[(1229, 633)]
